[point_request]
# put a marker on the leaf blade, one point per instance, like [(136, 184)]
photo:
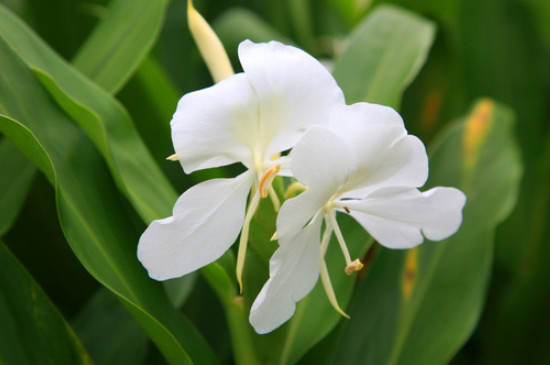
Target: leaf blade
[(92, 217), (385, 52)]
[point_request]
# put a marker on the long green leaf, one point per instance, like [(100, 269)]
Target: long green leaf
[(419, 306), (121, 40), (385, 53), (93, 219), (15, 181), (33, 331), (103, 119)]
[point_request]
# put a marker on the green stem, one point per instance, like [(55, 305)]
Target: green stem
[(242, 340), (241, 332)]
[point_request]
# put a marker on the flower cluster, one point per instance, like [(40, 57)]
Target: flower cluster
[(354, 159)]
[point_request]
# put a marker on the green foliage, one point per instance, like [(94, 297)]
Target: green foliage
[(16, 178), (384, 53), (109, 332), (98, 130), (105, 121), (94, 224), (33, 331), (120, 41)]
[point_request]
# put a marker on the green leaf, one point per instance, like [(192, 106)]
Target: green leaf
[(103, 119), (33, 331), (385, 53), (349, 10), (15, 181), (419, 306), (120, 41), (237, 24), (109, 333), (151, 100), (92, 216)]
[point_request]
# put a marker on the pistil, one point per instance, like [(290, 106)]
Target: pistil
[(351, 266)]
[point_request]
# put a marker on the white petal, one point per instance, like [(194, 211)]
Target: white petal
[(294, 270), (206, 222), (210, 126), (294, 91), (321, 159), (386, 155), (297, 212), (397, 218), (347, 119)]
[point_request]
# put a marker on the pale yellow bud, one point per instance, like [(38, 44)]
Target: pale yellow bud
[(209, 44)]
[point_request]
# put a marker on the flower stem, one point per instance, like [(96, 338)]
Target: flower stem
[(241, 333)]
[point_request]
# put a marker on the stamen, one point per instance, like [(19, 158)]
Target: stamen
[(347, 210), (275, 237), (329, 290), (243, 242), (173, 157), (267, 179), (332, 219), (356, 265)]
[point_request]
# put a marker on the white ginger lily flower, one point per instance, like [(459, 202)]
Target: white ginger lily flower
[(366, 165), (248, 118)]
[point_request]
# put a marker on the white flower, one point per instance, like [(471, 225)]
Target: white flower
[(248, 118), (366, 165)]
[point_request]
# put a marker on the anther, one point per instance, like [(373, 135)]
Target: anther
[(173, 157), (355, 265), (266, 180)]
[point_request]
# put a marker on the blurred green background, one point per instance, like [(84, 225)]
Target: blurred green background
[(484, 48)]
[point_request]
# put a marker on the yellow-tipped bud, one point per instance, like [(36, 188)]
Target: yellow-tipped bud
[(209, 44)]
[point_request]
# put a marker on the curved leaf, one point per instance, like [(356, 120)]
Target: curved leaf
[(419, 306), (93, 219), (385, 52), (15, 181), (120, 41), (103, 119)]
